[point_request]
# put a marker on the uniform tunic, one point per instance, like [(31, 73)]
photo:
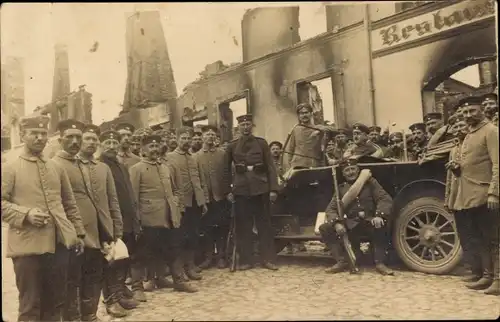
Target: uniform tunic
[(250, 151), (479, 166), (154, 190), (371, 199), (211, 167), (31, 182), (127, 158), (363, 150), (186, 177), (305, 148), (101, 187)]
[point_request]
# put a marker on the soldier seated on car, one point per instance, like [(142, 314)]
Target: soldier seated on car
[(367, 208), (362, 146)]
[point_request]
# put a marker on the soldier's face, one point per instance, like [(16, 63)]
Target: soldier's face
[(125, 138), (35, 139), (172, 142), (275, 150), (90, 143), (110, 147), (245, 127), (135, 147), (71, 141), (197, 142), (330, 146), (304, 115), (433, 125), (461, 128), (184, 141), (350, 144), (472, 114), (152, 150), (418, 136), (341, 139), (359, 137), (209, 137), (374, 136), (490, 107), (351, 173)]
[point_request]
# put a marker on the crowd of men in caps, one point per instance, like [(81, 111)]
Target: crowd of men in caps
[(169, 197)]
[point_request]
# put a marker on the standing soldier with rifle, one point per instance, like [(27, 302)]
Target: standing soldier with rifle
[(367, 209), (255, 184)]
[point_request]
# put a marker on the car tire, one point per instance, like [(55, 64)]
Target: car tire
[(408, 231)]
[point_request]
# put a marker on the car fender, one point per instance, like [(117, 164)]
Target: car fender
[(417, 189)]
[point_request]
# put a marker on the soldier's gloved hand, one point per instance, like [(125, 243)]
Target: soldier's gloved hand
[(37, 218), (79, 247), (377, 222), (204, 209), (339, 229), (493, 202), (230, 197), (273, 196)]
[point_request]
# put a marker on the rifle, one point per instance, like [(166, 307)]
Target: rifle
[(232, 237), (345, 239)]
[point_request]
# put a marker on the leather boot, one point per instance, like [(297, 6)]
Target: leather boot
[(90, 301), (179, 284), (116, 310), (473, 277), (341, 264), (270, 266), (128, 303), (494, 288), (149, 286), (487, 279), (71, 312), (190, 266), (384, 270), (139, 295), (163, 282)]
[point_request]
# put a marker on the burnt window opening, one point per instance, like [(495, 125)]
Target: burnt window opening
[(319, 94)]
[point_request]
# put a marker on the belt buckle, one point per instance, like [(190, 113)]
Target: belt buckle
[(361, 214), (250, 167)]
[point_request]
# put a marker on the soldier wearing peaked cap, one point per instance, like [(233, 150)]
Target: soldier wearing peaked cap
[(126, 156), (197, 141), (362, 146), (341, 137), (367, 209), (433, 122), (396, 147), (160, 216), (44, 222), (114, 289), (253, 185), (490, 106), (419, 138)]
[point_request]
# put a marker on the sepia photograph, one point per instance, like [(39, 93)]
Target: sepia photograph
[(246, 161)]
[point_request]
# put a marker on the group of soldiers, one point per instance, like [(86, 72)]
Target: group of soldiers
[(170, 198)]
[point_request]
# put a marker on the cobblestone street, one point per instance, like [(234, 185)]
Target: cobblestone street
[(301, 290)]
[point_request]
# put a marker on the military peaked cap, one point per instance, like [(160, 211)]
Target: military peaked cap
[(417, 126), (125, 126), (375, 129), (161, 132), (490, 97), (360, 127), (346, 132), (70, 124), (184, 130), (207, 128), (36, 122), (91, 128), (470, 100), (110, 135), (432, 116), (276, 143), (152, 138), (244, 118), (197, 133), (396, 134), (304, 105), (348, 162)]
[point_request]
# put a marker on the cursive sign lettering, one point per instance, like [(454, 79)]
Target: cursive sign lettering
[(433, 23)]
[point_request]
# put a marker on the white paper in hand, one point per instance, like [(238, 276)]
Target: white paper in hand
[(121, 251)]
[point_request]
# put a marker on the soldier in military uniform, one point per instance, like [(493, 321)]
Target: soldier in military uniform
[(341, 137), (367, 208), (135, 144), (419, 138), (254, 184), (93, 186), (44, 222), (396, 147), (433, 122), (160, 218), (479, 192), (276, 148), (362, 146), (376, 138), (197, 141), (125, 156), (490, 105)]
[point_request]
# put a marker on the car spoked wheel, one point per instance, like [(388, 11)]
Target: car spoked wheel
[(426, 237)]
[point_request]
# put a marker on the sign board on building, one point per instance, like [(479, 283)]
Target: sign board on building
[(432, 23)]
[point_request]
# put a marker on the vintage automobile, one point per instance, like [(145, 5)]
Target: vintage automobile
[(423, 233)]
